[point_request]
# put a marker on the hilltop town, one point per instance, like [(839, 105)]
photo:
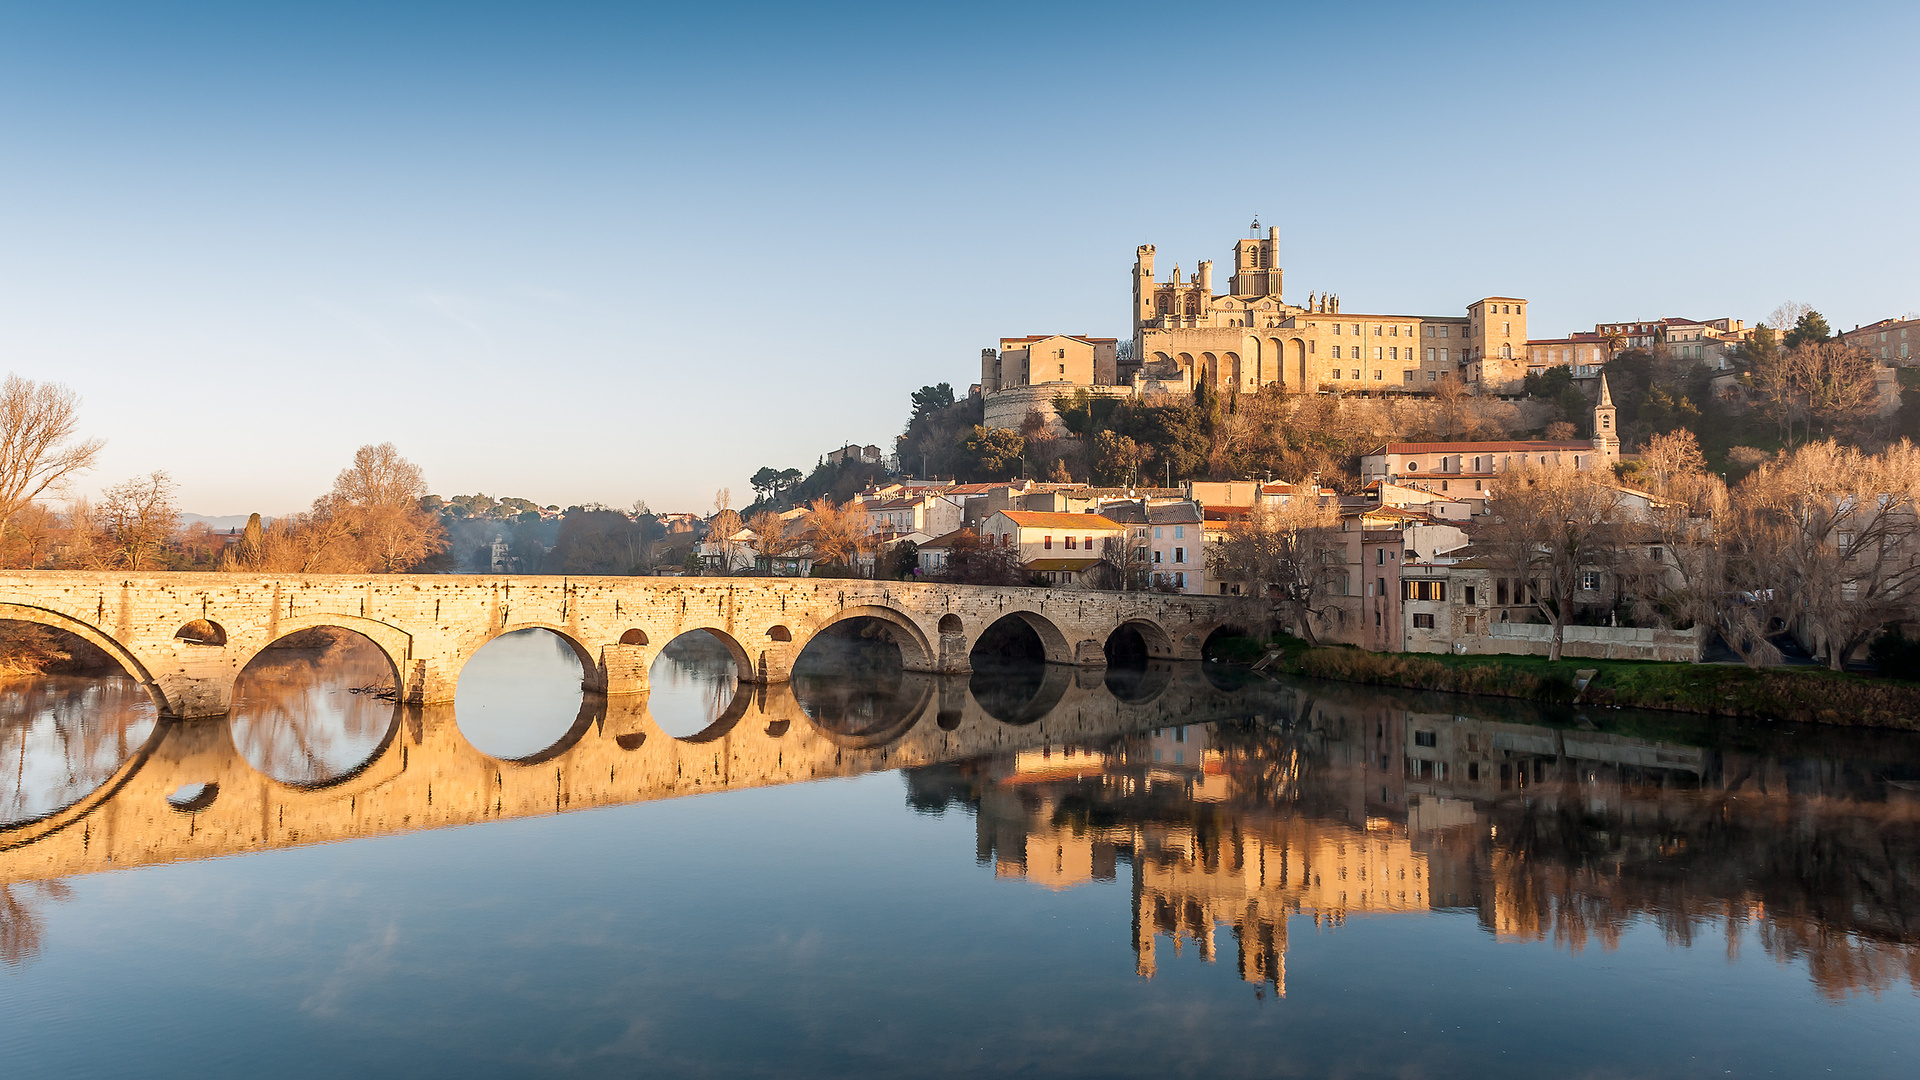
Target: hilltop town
[(1438, 483)]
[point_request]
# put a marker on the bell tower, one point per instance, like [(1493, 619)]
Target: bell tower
[(1606, 438)]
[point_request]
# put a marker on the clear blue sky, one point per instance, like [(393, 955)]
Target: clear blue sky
[(581, 252)]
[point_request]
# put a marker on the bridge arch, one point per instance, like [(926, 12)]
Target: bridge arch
[(1141, 635), (916, 638), (93, 636), (290, 723), (394, 643), (1054, 646)]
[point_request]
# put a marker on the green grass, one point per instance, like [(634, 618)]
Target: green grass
[(1801, 694)]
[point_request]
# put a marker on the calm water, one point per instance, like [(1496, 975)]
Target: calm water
[(1032, 871)]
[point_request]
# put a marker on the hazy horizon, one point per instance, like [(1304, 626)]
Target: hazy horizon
[(600, 253)]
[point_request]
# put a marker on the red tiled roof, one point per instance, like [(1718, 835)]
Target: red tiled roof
[(1518, 447), (1036, 519)]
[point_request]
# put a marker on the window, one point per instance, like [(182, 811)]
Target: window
[(1089, 543), (1336, 354), (1443, 331), (1356, 373), (1393, 331), (1469, 589), (1377, 351), (1425, 738), (1179, 580), (1589, 581), (1407, 376), (1336, 329), (1379, 556), (1432, 376), (1413, 466), (1156, 532), (1047, 543), (1070, 543), (1376, 375), (1156, 555), (1179, 532), (1336, 371), (1428, 331), (1376, 331), (1179, 554), (1422, 621), (1063, 369), (1382, 591), (1655, 554), (1394, 353)]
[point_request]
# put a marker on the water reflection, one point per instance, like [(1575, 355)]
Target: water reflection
[(1226, 810), (694, 682), (851, 683), (315, 707), (62, 736), (520, 695), (1343, 801)]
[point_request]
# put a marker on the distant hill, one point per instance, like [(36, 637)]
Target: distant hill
[(222, 524)]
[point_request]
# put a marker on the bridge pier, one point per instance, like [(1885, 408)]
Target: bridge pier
[(622, 670), (774, 664), (430, 681), (202, 698)]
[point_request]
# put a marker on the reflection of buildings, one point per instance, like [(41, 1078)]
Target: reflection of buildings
[(1361, 801)]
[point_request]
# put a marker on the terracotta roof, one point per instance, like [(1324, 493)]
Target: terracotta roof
[(1482, 447), (1062, 564), (1035, 519), (943, 542), (1075, 337)]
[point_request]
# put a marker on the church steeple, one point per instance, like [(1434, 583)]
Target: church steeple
[(1606, 439)]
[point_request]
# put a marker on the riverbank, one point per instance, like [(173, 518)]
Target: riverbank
[(1798, 694)]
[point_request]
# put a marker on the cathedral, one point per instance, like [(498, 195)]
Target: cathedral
[(1250, 336)]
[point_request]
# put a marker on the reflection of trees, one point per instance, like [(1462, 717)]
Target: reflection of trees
[(61, 736), (20, 928), (295, 717)]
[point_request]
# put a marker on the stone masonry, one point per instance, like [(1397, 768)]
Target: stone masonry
[(186, 637)]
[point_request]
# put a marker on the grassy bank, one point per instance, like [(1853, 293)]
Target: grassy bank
[(1804, 695)]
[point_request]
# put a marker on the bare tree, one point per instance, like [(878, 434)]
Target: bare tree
[(1550, 525), (37, 451), (1783, 318), (835, 531), (1833, 534), (380, 494), (137, 518), (1291, 553)]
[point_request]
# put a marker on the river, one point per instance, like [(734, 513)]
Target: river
[(1162, 869)]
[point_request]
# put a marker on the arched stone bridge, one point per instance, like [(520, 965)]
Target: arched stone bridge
[(186, 637)]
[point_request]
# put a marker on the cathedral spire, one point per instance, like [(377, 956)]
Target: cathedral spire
[(1606, 396)]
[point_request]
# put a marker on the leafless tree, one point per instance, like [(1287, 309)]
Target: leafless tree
[(1549, 525), (38, 453), (381, 495), (1291, 553), (1832, 533), (136, 518)]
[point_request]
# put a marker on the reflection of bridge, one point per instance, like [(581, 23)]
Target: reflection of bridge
[(187, 636), (425, 775)]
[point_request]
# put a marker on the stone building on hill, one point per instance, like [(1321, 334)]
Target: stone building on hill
[(1250, 336)]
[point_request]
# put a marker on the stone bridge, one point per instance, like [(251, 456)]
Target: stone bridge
[(188, 793), (186, 637)]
